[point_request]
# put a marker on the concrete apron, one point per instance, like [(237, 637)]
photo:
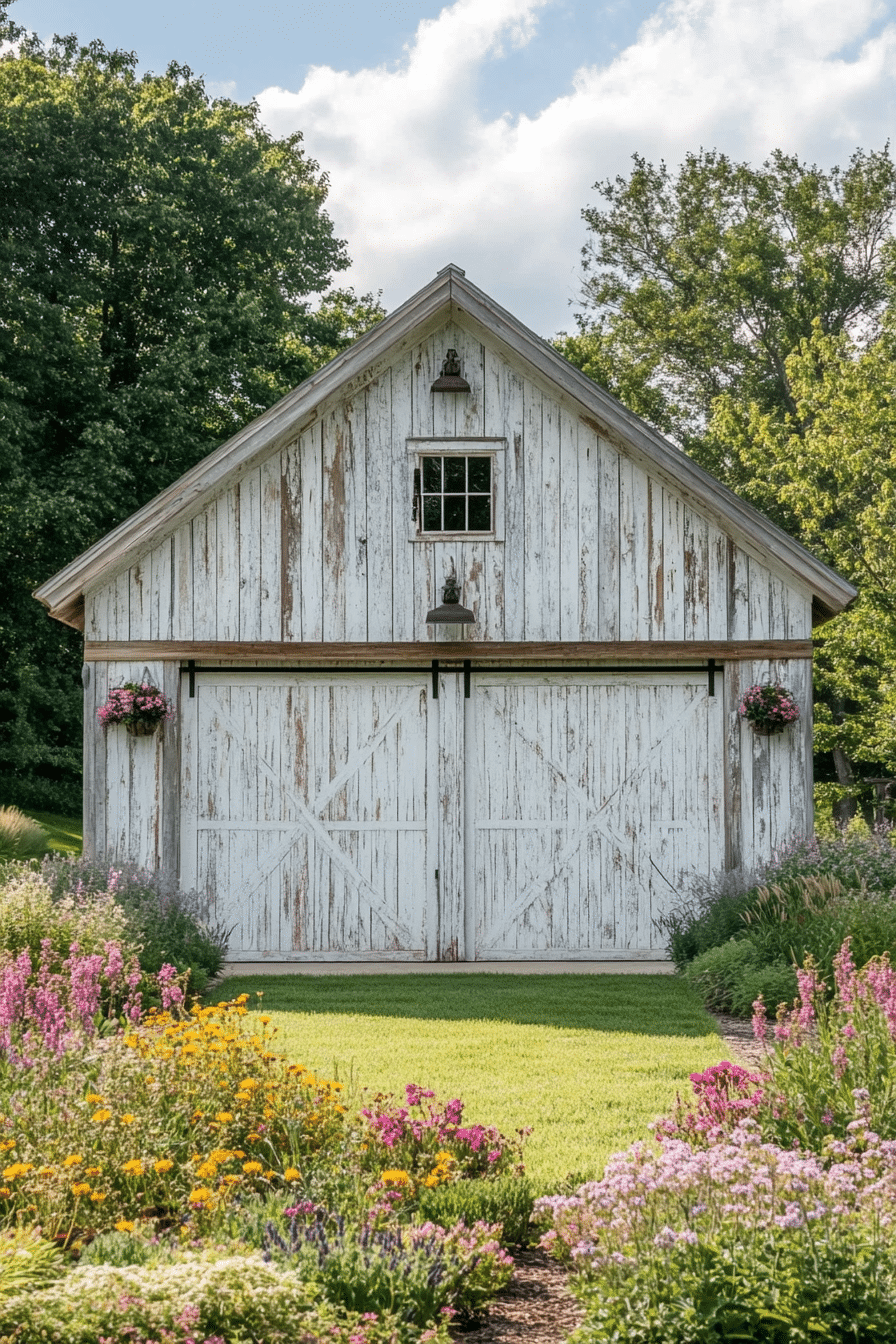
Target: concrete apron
[(448, 967)]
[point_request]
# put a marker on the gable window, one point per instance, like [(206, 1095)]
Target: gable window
[(455, 494), (456, 488)]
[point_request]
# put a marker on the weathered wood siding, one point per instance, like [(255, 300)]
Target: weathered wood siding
[(353, 815), (312, 544)]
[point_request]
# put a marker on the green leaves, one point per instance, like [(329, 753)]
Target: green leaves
[(160, 254)]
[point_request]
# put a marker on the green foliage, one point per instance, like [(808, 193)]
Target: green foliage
[(749, 312), (159, 255), (29, 915), (731, 977), (21, 837), (776, 1291), (164, 924), (735, 941), (26, 1261), (507, 1201), (237, 1298)]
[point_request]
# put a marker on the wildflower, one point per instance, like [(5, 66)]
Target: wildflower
[(17, 1169), (97, 1197), (395, 1178), (73, 1160), (93, 1171), (201, 1195), (133, 1168), (252, 1168), (128, 1118), (81, 1188), (164, 1164), (94, 1099), (124, 1225), (100, 1117), (223, 1117), (291, 1174)]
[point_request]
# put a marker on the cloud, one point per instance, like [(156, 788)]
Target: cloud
[(420, 176)]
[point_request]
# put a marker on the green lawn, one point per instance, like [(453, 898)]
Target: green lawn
[(586, 1060), (66, 833)]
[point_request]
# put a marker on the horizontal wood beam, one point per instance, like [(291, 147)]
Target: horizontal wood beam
[(482, 655)]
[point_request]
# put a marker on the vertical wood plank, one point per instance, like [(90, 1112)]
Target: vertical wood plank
[(696, 576), (249, 555), (182, 582), (504, 401), (573, 541), (608, 591), (169, 850), (589, 531), (386, 546), (532, 576), (205, 546), (227, 549), (270, 613), (738, 592), (310, 525), (656, 573), (451, 811), (673, 551)]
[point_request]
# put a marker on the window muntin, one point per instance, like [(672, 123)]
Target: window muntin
[(456, 493)]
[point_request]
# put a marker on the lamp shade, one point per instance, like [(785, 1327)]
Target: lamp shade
[(450, 612)]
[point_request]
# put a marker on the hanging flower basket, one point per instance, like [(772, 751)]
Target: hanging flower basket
[(140, 708), (768, 708)]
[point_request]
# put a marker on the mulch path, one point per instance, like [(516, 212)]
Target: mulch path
[(537, 1305)]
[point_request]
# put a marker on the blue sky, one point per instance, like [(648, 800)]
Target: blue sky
[(474, 132)]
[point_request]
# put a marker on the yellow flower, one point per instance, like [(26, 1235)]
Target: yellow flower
[(252, 1168), (81, 1188), (73, 1160), (264, 1019), (133, 1168), (207, 1172), (231, 1180), (200, 1196), (100, 1117), (45, 1171), (395, 1178), (6, 1145), (127, 1118), (17, 1169), (223, 1117), (124, 1225), (249, 1085), (163, 1165), (292, 1174), (5, 1190), (92, 1171), (97, 1197), (94, 1099)]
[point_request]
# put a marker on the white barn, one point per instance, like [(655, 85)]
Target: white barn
[(350, 780)]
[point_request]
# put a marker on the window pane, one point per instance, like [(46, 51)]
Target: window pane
[(480, 513), (432, 475), (480, 475), (432, 513), (455, 513), (455, 475)]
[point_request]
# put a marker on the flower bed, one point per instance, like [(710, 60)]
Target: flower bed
[(165, 1175), (765, 1207)]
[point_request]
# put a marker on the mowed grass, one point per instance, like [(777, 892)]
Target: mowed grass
[(588, 1061), (66, 833)]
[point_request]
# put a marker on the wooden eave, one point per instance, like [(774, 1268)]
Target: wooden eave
[(63, 594)]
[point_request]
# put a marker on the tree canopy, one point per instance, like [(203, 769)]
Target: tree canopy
[(749, 313), (160, 258)]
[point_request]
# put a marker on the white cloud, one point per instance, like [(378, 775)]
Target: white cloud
[(419, 176)]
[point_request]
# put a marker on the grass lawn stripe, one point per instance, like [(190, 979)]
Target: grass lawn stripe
[(587, 1061)]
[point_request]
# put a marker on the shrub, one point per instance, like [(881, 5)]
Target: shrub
[(730, 978), (165, 924), (414, 1272), (30, 917), (506, 1201), (425, 1144), (735, 1239), (21, 838), (201, 1298)]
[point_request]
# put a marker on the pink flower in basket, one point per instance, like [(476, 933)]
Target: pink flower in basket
[(768, 708), (140, 707)]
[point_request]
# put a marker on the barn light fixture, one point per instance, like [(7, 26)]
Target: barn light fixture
[(450, 612), (449, 380)]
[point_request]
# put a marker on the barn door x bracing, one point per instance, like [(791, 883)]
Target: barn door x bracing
[(548, 816)]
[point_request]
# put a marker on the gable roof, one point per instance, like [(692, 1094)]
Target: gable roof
[(450, 291)]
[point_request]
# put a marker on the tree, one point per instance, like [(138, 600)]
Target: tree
[(159, 254), (733, 307)]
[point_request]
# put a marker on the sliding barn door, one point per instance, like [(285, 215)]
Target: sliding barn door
[(307, 813), (591, 803)]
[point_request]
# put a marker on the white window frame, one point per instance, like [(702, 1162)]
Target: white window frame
[(493, 447)]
